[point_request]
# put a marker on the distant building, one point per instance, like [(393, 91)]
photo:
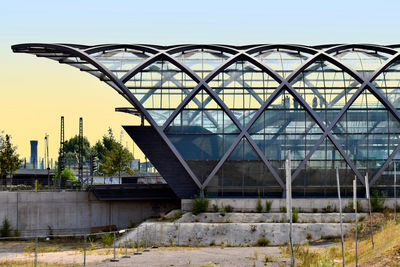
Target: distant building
[(34, 159)]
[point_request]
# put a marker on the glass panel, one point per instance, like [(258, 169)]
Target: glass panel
[(285, 125), (202, 115), (318, 177), (202, 61), (161, 86), (243, 174), (244, 88), (202, 133), (363, 61), (366, 132), (325, 88), (120, 61), (283, 61), (388, 83)]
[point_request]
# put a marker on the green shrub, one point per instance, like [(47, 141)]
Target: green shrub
[(262, 242), (350, 207), (177, 215), (131, 224), (5, 230), (200, 204), (327, 209), (378, 201), (17, 233), (50, 230), (107, 239), (228, 208), (259, 206), (268, 205), (295, 215), (20, 187), (215, 208), (222, 211), (282, 209), (309, 236)]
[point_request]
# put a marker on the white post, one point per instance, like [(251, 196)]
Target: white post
[(395, 193), (289, 204), (355, 213), (340, 213), (369, 207)]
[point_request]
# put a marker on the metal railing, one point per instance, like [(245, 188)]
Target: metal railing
[(72, 250)]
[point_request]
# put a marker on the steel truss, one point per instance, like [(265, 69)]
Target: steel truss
[(62, 53)]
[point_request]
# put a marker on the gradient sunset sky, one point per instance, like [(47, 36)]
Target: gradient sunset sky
[(35, 92)]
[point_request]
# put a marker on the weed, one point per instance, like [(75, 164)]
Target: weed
[(253, 228), (107, 239), (282, 209), (327, 209), (309, 236), (200, 204), (295, 215), (132, 224), (17, 233), (314, 210), (228, 208), (222, 211), (268, 205), (263, 242), (50, 230), (259, 206), (215, 207), (378, 201), (350, 207)]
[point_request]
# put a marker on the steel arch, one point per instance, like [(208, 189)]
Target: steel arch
[(237, 53)]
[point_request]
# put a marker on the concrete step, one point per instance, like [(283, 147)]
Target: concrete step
[(229, 234), (245, 217)]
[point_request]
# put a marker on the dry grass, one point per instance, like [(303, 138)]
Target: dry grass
[(386, 251)]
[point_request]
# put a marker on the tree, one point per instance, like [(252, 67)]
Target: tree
[(71, 148), (9, 159), (66, 175), (115, 158), (106, 144)]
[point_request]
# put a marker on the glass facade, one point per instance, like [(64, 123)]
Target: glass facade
[(231, 114)]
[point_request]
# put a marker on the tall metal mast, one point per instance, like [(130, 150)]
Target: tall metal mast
[(81, 150), (46, 151), (61, 155)]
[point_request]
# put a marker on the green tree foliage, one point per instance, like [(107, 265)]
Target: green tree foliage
[(67, 175), (114, 158), (5, 230), (9, 159), (71, 147), (106, 144)]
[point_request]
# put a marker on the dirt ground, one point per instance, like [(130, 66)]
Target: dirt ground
[(21, 255), (205, 257)]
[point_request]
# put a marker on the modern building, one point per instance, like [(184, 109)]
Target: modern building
[(221, 118), (34, 158)]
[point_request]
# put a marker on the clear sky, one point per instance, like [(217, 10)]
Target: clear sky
[(35, 92)]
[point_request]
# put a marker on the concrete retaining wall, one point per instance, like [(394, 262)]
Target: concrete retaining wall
[(230, 234), (208, 217), (305, 205), (73, 212)]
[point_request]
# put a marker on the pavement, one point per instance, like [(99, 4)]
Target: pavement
[(204, 257)]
